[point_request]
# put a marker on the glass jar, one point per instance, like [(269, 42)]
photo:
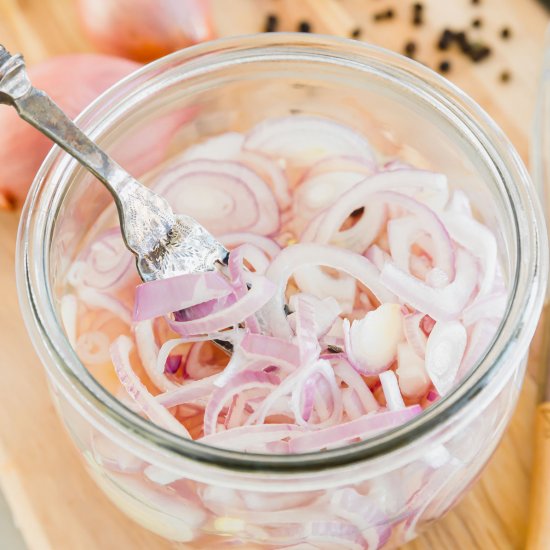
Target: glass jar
[(373, 494)]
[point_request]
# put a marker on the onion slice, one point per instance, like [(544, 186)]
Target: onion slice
[(259, 294), (307, 254), (442, 304), (120, 354), (304, 139), (444, 352), (164, 296), (361, 428)]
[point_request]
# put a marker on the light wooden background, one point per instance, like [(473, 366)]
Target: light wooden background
[(54, 502)]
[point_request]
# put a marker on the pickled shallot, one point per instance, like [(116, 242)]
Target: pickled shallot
[(359, 291)]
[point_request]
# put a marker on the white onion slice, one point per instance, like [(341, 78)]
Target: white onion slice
[(229, 146), (326, 312), (411, 373), (390, 387), (373, 340), (303, 139), (477, 239), (243, 437), (490, 306), (402, 233), (441, 304), (444, 352), (188, 392), (113, 457), (106, 264), (98, 300), (481, 335)]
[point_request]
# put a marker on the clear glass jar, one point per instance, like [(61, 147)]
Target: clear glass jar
[(374, 494)]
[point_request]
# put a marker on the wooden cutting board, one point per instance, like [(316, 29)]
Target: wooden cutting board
[(54, 502)]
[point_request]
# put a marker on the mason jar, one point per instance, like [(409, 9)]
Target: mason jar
[(378, 493)]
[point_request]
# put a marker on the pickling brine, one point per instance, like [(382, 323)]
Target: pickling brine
[(360, 291)]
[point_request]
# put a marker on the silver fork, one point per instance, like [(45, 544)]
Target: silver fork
[(165, 244)]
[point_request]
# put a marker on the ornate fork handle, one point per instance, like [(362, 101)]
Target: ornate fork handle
[(165, 244)]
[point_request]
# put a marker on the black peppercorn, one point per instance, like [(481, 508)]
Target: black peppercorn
[(477, 23), (383, 15), (462, 41), (304, 26), (479, 52), (271, 23), (356, 33), (445, 40), (505, 33), (445, 66), (410, 49), (505, 76)]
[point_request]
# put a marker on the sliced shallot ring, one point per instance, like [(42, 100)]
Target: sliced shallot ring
[(440, 304), (259, 294), (360, 196), (267, 245), (222, 147), (340, 163), (239, 383), (353, 379), (241, 437), (164, 296), (228, 146), (414, 334), (312, 280), (120, 354), (188, 392), (273, 350), (299, 255), (365, 426), (444, 351), (302, 137), (106, 262), (390, 387), (477, 239), (148, 352), (490, 306), (252, 204)]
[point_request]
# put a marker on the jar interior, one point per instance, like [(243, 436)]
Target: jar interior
[(187, 104), (184, 108)]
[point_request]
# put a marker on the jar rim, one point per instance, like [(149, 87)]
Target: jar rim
[(513, 335)]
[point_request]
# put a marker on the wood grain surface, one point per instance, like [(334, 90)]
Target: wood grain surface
[(54, 501)]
